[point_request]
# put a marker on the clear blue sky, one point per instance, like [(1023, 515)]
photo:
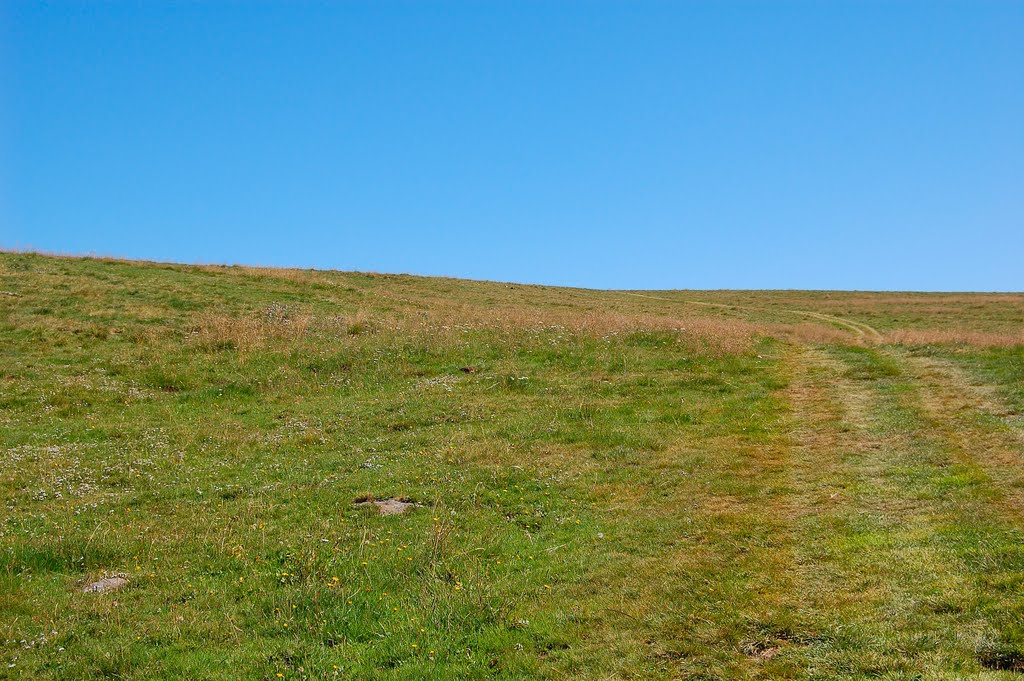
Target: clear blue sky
[(868, 145)]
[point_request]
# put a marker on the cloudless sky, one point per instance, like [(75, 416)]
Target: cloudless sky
[(865, 145)]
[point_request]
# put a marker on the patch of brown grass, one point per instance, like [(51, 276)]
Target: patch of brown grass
[(719, 335), (298, 276), (983, 339), (249, 332), (276, 325), (441, 324)]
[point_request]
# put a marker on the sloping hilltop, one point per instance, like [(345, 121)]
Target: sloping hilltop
[(555, 483)]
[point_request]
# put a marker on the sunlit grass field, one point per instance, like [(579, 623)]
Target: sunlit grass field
[(610, 485)]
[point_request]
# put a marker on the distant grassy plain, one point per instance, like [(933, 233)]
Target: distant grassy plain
[(614, 485)]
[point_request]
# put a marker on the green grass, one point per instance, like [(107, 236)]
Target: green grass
[(611, 486)]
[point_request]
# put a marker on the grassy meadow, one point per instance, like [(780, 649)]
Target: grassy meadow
[(610, 485)]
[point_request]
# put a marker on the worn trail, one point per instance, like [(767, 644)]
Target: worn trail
[(899, 518)]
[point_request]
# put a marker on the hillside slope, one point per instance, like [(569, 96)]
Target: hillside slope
[(641, 484)]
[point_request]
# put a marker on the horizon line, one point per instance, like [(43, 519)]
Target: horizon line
[(94, 255)]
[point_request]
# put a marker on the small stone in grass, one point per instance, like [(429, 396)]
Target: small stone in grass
[(114, 583)]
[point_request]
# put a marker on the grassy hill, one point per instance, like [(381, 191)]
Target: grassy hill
[(676, 484)]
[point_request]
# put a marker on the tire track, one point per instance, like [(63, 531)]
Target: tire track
[(972, 421), (898, 543)]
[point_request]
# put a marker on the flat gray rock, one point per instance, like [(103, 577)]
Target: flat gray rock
[(115, 583)]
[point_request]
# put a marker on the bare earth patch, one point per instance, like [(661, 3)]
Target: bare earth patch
[(388, 506)]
